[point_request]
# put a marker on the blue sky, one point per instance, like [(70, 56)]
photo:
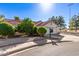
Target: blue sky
[(38, 11)]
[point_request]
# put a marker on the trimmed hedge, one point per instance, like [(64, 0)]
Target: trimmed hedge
[(41, 31), (35, 33), (6, 29)]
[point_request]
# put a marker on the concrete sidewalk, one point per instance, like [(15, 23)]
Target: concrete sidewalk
[(21, 47), (70, 38)]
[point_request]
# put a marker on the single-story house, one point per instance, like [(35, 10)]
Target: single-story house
[(47, 24), (13, 22)]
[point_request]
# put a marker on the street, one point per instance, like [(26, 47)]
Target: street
[(64, 48)]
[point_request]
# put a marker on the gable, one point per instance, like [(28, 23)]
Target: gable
[(49, 24)]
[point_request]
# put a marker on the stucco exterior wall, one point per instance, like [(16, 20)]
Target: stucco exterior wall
[(52, 26)]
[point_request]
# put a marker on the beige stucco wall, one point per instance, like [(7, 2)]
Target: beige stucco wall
[(53, 26)]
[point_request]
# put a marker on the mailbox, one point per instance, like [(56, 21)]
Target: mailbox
[(51, 30)]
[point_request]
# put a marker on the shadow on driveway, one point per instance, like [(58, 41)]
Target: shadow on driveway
[(54, 40), (40, 41)]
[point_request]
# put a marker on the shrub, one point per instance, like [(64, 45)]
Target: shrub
[(35, 31), (26, 26), (6, 29), (41, 31), (19, 28)]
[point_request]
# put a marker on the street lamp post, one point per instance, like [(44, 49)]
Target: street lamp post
[(69, 12), (75, 17), (75, 25), (69, 5)]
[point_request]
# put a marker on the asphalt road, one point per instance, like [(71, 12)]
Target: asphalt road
[(62, 49), (69, 47)]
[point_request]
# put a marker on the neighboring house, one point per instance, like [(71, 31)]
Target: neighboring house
[(13, 22), (47, 24)]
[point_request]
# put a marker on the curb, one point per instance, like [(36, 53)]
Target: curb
[(22, 47)]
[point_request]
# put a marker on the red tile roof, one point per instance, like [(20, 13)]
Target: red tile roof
[(38, 23), (13, 22)]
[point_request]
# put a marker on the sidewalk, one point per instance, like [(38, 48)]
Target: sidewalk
[(19, 47), (70, 38)]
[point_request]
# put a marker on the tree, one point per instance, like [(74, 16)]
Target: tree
[(26, 26), (78, 21), (61, 22), (16, 18), (58, 20), (54, 19), (2, 18), (35, 31), (74, 22)]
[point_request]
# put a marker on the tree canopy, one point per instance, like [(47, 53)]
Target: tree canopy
[(74, 22), (58, 20), (16, 18)]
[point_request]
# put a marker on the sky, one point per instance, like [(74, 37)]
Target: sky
[(38, 11)]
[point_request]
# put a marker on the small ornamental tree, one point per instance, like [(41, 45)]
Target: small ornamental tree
[(29, 26), (6, 29), (41, 31), (20, 28), (35, 31), (26, 26)]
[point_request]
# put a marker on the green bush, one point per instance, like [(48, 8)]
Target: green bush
[(26, 26), (41, 31), (35, 31), (6, 29), (19, 28)]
